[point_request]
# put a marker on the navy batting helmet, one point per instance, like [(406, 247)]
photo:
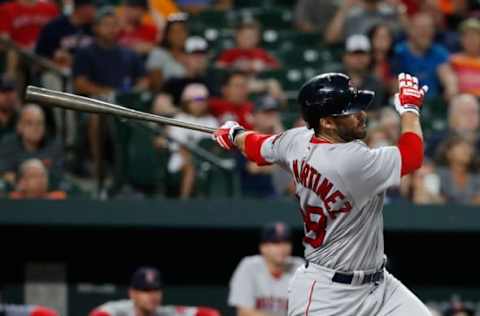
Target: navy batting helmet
[(331, 94)]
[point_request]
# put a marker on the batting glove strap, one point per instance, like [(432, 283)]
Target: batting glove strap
[(234, 132), (225, 135)]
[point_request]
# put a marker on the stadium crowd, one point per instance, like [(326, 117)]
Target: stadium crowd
[(206, 62)]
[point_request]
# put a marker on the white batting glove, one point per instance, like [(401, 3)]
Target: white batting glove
[(410, 97), (225, 134)]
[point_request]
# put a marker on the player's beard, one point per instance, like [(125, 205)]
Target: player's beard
[(349, 133)]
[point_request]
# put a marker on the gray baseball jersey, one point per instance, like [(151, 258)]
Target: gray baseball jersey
[(253, 286), (340, 188), (16, 310), (126, 308)]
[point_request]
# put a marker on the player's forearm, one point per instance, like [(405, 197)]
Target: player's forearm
[(410, 122), (410, 143), (250, 144), (240, 141)]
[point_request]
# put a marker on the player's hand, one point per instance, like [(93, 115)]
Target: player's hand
[(225, 134), (410, 97)]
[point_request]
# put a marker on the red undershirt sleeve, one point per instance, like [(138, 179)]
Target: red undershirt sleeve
[(253, 146), (411, 152)]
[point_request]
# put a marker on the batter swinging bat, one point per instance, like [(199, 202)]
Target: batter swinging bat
[(78, 103)]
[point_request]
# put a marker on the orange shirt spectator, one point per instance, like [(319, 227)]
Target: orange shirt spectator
[(159, 10), (466, 63), (22, 20)]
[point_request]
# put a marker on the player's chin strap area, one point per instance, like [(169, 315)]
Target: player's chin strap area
[(356, 277)]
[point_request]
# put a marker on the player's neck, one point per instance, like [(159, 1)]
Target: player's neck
[(331, 138), (139, 312)]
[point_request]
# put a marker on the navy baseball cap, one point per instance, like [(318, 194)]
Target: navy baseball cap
[(146, 279), (276, 232)]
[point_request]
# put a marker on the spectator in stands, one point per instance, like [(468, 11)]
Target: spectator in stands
[(59, 39), (103, 67), (376, 138), (26, 310), (233, 104), (424, 59), (22, 20), (196, 64), (9, 106), (358, 16), (466, 63), (259, 285), (246, 56), (163, 105), (168, 60), (463, 120), (459, 182), (197, 6), (195, 110), (389, 122), (136, 33), (263, 181), (33, 182), (356, 62), (314, 15), (145, 299), (381, 39), (423, 187), (30, 141)]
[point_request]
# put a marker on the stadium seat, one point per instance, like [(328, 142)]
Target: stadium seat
[(135, 100), (212, 181), (210, 19), (138, 162)]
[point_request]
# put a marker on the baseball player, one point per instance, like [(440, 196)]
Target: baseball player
[(145, 300), (340, 186), (259, 285), (26, 310)]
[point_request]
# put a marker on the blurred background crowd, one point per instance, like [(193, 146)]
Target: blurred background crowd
[(211, 61)]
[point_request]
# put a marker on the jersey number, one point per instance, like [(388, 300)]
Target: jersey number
[(315, 223)]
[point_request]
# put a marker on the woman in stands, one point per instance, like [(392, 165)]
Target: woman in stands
[(194, 110)]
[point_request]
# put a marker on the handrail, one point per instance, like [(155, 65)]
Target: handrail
[(35, 58), (224, 164)]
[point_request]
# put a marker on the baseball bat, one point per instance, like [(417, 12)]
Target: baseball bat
[(83, 104)]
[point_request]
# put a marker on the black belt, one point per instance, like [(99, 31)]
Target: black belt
[(347, 278), (367, 278)]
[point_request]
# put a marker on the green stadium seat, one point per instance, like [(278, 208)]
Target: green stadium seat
[(138, 162), (210, 19), (290, 79), (135, 100), (288, 40), (289, 118), (212, 181), (434, 112)]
